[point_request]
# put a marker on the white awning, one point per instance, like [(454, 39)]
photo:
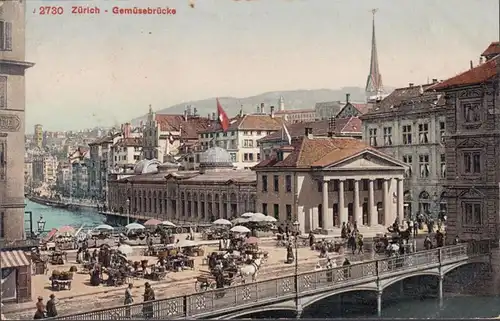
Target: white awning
[(9, 259)]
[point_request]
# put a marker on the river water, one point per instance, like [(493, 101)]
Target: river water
[(452, 307)]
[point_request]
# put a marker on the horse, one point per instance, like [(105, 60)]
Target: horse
[(251, 269), (392, 249)]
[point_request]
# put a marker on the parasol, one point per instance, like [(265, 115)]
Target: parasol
[(240, 229), (125, 249), (239, 220), (103, 227), (258, 217), (66, 230), (270, 219), (247, 214), (168, 223), (134, 226), (152, 222), (222, 221)]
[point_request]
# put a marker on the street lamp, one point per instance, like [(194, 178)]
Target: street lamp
[(128, 210), (41, 225), (296, 225)]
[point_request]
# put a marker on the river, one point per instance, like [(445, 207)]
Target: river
[(452, 307)]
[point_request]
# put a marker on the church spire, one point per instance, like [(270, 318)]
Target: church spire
[(374, 86)]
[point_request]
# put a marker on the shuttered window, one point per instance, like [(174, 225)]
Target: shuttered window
[(5, 36)]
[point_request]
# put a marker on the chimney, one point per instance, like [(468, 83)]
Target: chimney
[(262, 108), (434, 80), (126, 130), (480, 60), (411, 84), (471, 65), (272, 111), (214, 117), (308, 132), (331, 127), (347, 96)]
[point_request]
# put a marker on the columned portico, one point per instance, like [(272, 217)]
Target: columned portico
[(357, 210), (342, 209)]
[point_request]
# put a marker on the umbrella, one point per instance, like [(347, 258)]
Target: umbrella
[(168, 223), (222, 221), (186, 243), (125, 249), (240, 229), (134, 226), (258, 217), (66, 230), (269, 219), (152, 222), (103, 227), (247, 214), (252, 240), (239, 220)]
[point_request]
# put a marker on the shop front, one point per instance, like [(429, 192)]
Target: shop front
[(16, 276)]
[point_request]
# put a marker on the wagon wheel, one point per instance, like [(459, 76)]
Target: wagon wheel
[(201, 286)]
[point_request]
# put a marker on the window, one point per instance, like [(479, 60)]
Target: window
[(288, 183), (442, 128), (288, 212), (5, 36), (423, 133), (264, 183), (2, 226), (471, 112), (442, 165), (233, 157), (407, 134), (387, 136), (276, 180), (408, 159), (276, 211), (264, 208), (258, 157), (472, 162), (373, 136), (472, 214), (3, 159), (423, 166), (3, 92)]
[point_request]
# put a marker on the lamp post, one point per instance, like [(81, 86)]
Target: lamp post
[(40, 225), (296, 225), (128, 210)]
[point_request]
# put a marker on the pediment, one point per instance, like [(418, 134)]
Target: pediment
[(471, 143), (472, 193), (367, 160)]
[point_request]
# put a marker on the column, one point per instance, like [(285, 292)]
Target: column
[(386, 202), (342, 209), (327, 219), (379, 303), (441, 290), (371, 203), (221, 208), (400, 201), (357, 213)]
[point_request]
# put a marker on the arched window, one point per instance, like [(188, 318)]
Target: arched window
[(424, 203), (443, 205)]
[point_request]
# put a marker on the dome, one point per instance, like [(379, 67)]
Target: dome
[(216, 157), (146, 166)]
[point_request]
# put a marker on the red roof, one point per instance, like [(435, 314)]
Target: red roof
[(190, 127), (493, 49), (476, 75)]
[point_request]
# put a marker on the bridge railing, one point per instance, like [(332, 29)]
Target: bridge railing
[(222, 300)]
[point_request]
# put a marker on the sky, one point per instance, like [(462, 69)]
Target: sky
[(106, 69)]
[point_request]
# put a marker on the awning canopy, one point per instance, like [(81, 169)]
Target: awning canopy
[(9, 259)]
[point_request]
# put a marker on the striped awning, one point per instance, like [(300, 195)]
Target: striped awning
[(9, 259)]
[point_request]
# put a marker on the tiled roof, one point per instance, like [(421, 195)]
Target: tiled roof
[(317, 152), (406, 99), (362, 108), (129, 142), (473, 76), (107, 138), (190, 127), (248, 122), (493, 49), (319, 128)]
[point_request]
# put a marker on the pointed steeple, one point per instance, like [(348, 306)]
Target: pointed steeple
[(374, 86)]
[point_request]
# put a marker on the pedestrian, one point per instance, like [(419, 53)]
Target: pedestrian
[(149, 295), (360, 243), (415, 228), (40, 309), (51, 307), (129, 299), (456, 241)]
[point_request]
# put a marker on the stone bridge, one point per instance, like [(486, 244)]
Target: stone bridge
[(295, 293)]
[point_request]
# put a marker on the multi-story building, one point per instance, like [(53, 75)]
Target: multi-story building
[(323, 182), (80, 161), (409, 124), (241, 139), (472, 146), (16, 266), (164, 192), (64, 179), (338, 109), (127, 150), (165, 136), (38, 136), (346, 127), (44, 168)]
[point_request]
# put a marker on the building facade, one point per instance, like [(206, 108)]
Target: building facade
[(80, 162), (410, 125), (38, 136), (323, 182), (164, 192), (472, 146)]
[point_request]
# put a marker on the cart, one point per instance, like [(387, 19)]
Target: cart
[(58, 285), (204, 283), (58, 258)]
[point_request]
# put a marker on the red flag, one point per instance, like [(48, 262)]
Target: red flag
[(223, 119)]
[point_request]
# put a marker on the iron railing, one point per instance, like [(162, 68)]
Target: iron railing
[(269, 291)]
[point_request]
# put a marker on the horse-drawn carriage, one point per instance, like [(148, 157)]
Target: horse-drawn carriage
[(208, 280)]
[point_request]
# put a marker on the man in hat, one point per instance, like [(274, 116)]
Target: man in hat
[(51, 307), (129, 299), (149, 295), (40, 309)]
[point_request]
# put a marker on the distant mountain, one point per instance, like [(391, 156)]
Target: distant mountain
[(294, 99)]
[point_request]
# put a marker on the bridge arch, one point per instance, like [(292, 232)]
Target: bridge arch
[(478, 260), (289, 312), (315, 299), (403, 277)]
